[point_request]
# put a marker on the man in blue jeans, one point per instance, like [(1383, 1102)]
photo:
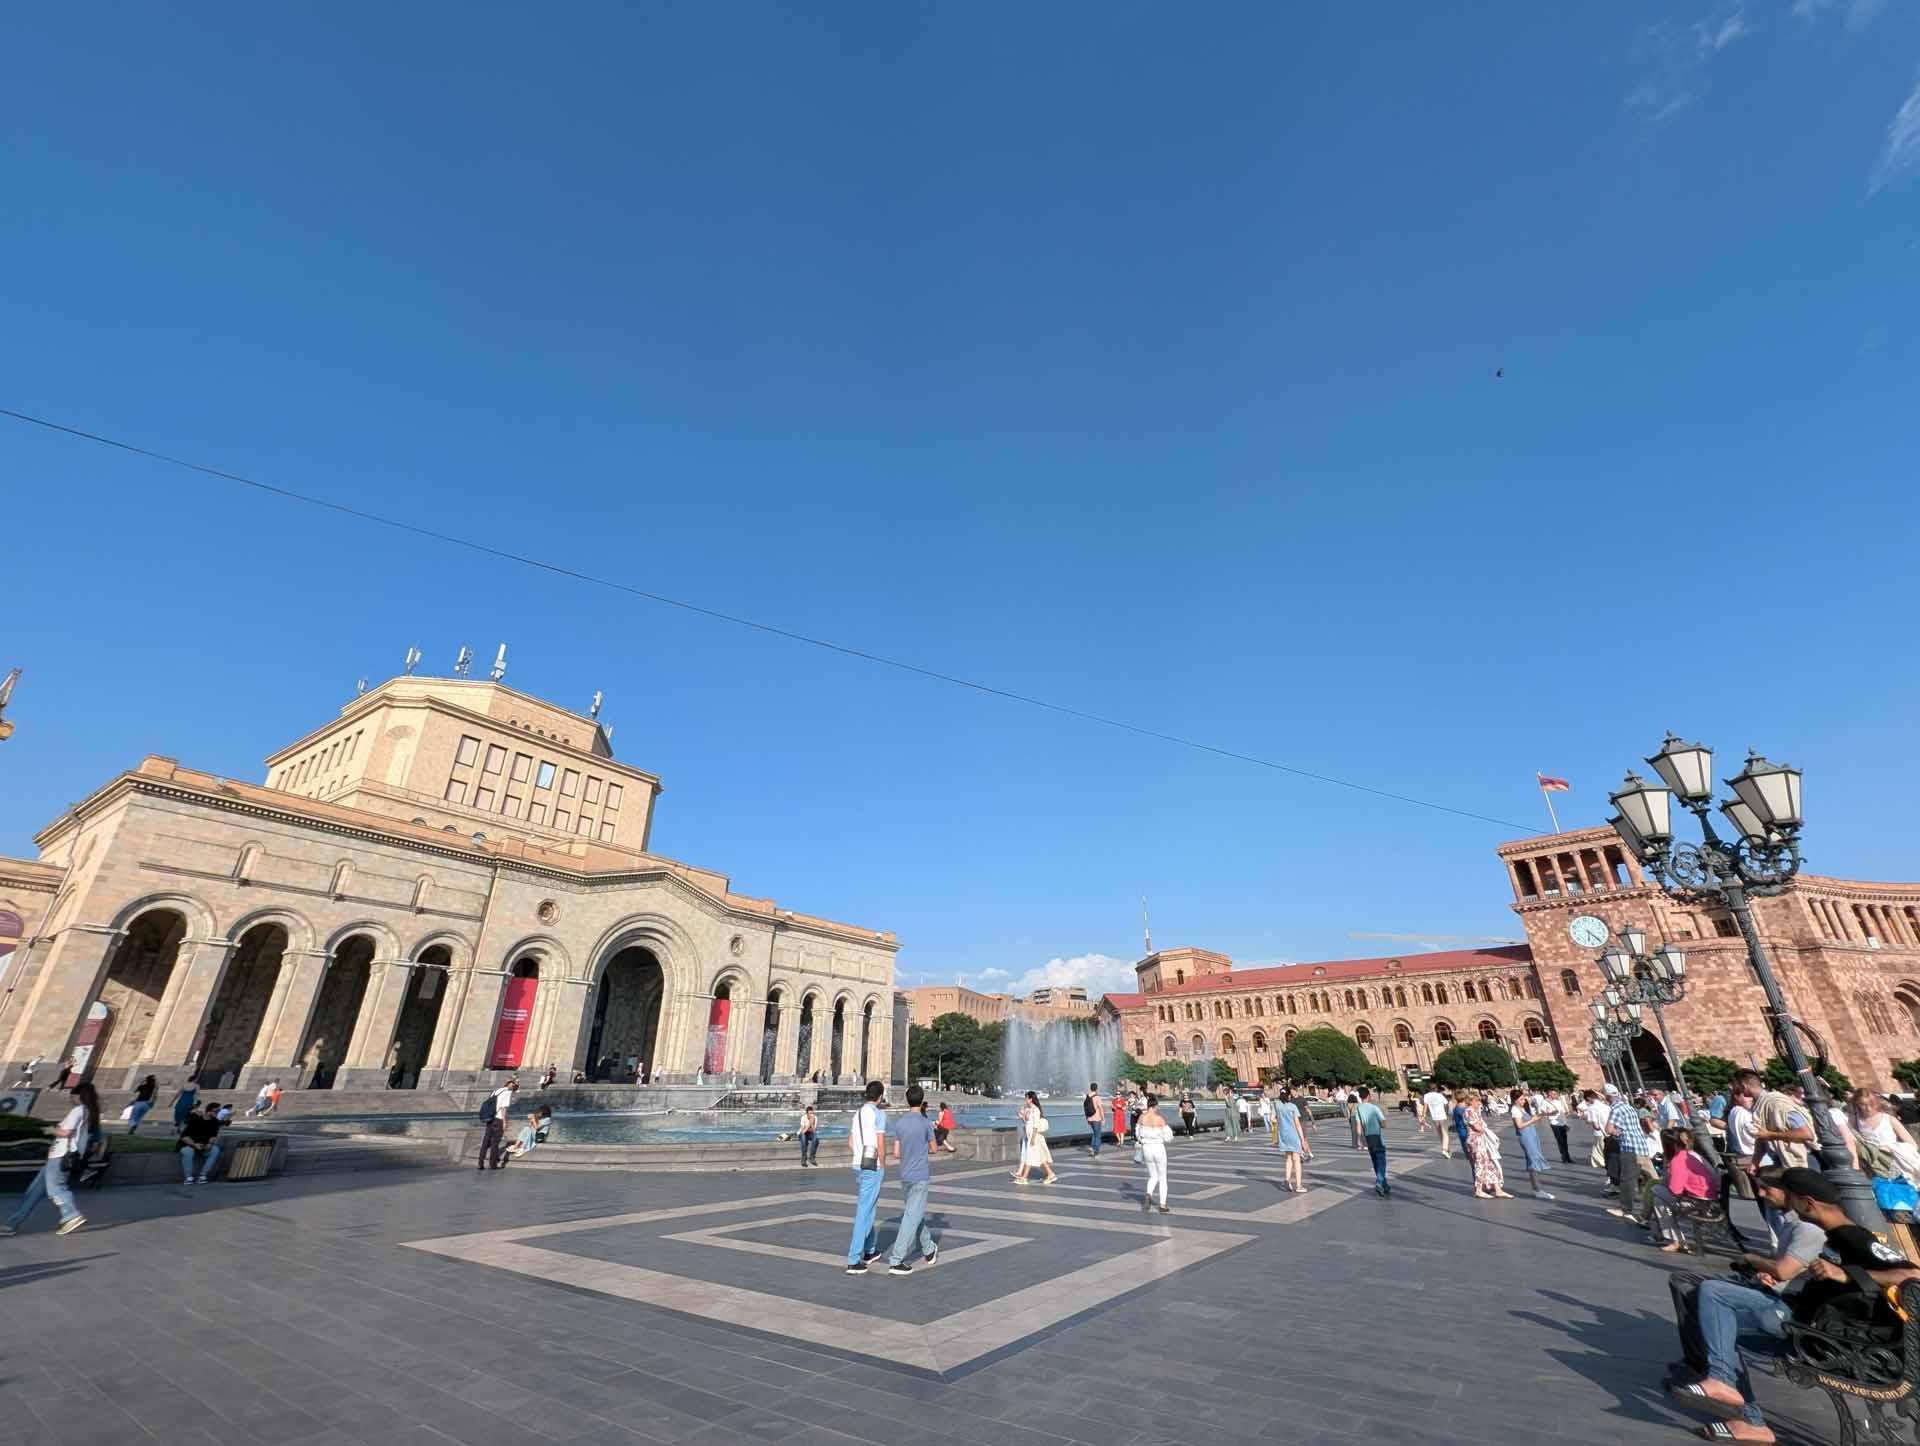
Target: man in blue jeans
[(1090, 1107), (1368, 1120), (912, 1135), (867, 1140), (1728, 1313)]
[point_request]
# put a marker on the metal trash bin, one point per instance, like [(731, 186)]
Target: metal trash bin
[(250, 1160)]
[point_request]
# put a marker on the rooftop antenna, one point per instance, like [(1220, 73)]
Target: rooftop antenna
[(1146, 923), (499, 669), (594, 712), (608, 730), (463, 664), (359, 687), (413, 658), (6, 697)]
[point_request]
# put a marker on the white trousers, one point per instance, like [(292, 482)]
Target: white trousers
[(1156, 1157)]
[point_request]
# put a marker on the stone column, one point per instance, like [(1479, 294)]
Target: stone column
[(786, 1041), (277, 1046), (58, 982), (197, 971), (366, 1065), (746, 1027), (479, 1012)]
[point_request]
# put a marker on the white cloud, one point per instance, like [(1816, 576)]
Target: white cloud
[(1096, 973), (1860, 13), (1676, 57), (1902, 153), (1434, 942)]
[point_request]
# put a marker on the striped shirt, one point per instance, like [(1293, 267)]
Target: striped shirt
[(1626, 1119)]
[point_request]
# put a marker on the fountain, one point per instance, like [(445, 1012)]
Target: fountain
[(1058, 1058)]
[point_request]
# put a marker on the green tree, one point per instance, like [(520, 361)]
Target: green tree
[(1481, 1064), (1325, 1056), (1169, 1072), (1129, 1069), (1708, 1073), (1546, 1074), (1219, 1072), (946, 1049), (1907, 1072), (1382, 1081), (1779, 1074)]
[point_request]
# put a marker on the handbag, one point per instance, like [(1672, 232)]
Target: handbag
[(870, 1156), (1139, 1155)]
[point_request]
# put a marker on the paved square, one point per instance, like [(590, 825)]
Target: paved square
[(581, 1309)]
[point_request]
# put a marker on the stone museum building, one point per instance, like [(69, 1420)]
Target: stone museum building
[(1042, 1007), (449, 880), (1846, 953)]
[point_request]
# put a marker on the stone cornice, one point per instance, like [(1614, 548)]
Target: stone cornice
[(398, 836)]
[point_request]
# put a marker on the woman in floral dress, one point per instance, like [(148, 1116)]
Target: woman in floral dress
[(1483, 1149)]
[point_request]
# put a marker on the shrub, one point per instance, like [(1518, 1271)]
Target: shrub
[(1907, 1072), (1382, 1081), (1325, 1056), (1547, 1074), (1708, 1074), (1479, 1065), (1779, 1074)]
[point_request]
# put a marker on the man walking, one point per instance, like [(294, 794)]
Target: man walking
[(1090, 1106), (1369, 1121), (1231, 1113), (1557, 1122), (911, 1137), (495, 1110), (865, 1142), (1635, 1158), (1433, 1111)]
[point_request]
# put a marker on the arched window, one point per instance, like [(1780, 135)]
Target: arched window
[(1400, 996), (1260, 1008), (1403, 1035), (1486, 992), (1259, 1042), (1362, 1036), (1907, 996), (1293, 1004), (1313, 1003), (1326, 1002), (1533, 987), (1490, 1030), (1426, 994), (1440, 994), (1442, 1033), (1513, 986), (1361, 995), (1287, 1042), (1226, 1042), (1349, 998), (1467, 989), (1229, 1005), (1169, 1047), (1536, 1031), (1570, 983), (1199, 1045)]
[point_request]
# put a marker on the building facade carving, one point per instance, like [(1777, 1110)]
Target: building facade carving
[(450, 880)]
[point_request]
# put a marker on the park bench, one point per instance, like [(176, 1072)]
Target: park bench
[(1710, 1222), (1870, 1374)]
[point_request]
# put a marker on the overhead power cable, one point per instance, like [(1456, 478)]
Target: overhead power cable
[(737, 620)]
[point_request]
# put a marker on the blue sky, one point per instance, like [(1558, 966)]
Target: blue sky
[(1131, 356)]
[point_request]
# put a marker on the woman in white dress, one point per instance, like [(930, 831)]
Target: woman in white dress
[(1153, 1132), (1872, 1120), (1034, 1127), (1026, 1161)]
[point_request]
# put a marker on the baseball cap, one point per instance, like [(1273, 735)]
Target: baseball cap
[(1611, 1090), (1812, 1184)]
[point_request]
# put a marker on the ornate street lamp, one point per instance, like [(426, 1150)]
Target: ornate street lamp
[(1634, 978), (1760, 861)]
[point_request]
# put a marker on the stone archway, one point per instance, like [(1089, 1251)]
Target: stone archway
[(231, 1038), (419, 1016), (1651, 1059), (136, 980), (623, 1041), (335, 1013), (719, 1025)]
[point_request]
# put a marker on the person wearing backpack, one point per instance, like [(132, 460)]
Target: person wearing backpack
[(494, 1110)]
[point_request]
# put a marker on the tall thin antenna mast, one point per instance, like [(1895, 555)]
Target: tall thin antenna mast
[(463, 662), (499, 669), (1146, 923), (413, 660)]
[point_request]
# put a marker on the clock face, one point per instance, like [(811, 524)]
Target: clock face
[(1588, 932)]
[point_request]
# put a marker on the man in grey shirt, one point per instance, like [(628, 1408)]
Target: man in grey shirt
[(1801, 1242), (912, 1135)]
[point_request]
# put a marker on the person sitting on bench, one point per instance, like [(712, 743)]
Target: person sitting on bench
[(198, 1152), (1805, 1281)]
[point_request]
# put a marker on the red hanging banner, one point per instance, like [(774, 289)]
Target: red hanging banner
[(717, 1035), (516, 1013)]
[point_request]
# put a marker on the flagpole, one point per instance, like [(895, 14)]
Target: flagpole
[(1546, 797)]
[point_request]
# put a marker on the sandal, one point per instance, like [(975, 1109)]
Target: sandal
[(1690, 1394), (1717, 1431)]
